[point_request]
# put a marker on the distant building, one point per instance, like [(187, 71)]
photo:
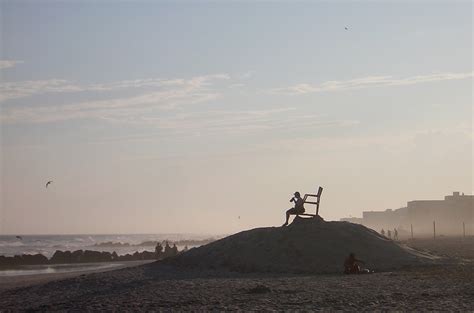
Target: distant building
[(387, 219), (449, 215)]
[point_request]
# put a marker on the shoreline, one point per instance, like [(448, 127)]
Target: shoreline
[(157, 286), (84, 257), (26, 280)]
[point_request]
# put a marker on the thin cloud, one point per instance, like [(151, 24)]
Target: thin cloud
[(172, 94), (9, 63), (188, 124), (113, 109), (15, 90), (394, 143), (368, 82), (246, 75)]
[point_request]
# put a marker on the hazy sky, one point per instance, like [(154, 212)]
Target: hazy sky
[(182, 116)]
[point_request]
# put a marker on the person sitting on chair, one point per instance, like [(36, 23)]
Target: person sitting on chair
[(298, 209)]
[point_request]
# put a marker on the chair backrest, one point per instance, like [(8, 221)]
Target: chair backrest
[(320, 191), (317, 196)]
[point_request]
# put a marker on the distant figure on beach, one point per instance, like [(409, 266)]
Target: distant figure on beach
[(382, 232), (158, 250), (351, 266), (395, 234), (389, 234), (298, 209)]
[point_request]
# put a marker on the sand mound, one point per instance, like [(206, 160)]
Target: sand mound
[(306, 246)]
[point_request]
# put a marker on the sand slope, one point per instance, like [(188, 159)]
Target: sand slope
[(305, 246)]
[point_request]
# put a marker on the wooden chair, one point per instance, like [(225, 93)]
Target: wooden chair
[(318, 199)]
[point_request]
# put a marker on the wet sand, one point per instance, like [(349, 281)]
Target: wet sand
[(10, 282), (446, 287)]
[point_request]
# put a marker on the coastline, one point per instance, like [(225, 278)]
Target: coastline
[(25, 280), (156, 286)]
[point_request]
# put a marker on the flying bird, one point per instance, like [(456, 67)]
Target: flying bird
[(346, 28), (48, 183)]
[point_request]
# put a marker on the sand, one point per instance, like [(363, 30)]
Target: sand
[(308, 245), (450, 247), (162, 288), (444, 285), (10, 282)]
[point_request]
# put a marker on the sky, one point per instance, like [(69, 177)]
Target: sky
[(204, 117)]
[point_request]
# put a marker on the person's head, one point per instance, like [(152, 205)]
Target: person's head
[(297, 194)]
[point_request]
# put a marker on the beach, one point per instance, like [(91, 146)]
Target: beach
[(290, 156), (44, 274), (157, 286), (152, 287)]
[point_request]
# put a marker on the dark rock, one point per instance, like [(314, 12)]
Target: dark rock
[(147, 255), (24, 259), (136, 256), (6, 262), (126, 257), (80, 256), (36, 259), (115, 256), (61, 257), (96, 256), (77, 256)]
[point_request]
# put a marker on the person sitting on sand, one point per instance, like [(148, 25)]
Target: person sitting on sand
[(298, 209), (351, 266), (382, 232)]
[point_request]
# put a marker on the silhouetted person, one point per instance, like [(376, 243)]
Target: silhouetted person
[(389, 234), (167, 250), (395, 234), (158, 250), (174, 250), (351, 266), (298, 209), (382, 232)]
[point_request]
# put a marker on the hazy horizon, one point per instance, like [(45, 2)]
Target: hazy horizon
[(377, 227), (205, 118)]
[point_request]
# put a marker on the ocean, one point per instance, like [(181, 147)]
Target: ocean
[(46, 245), (122, 244)]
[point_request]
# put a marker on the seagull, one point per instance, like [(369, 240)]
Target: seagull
[(49, 182), (346, 28)]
